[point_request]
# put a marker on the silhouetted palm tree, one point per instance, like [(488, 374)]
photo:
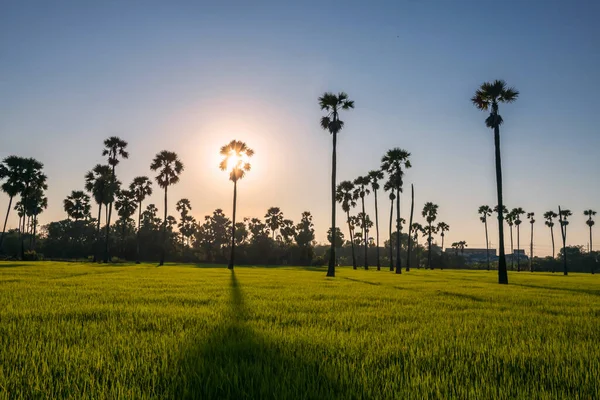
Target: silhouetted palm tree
[(183, 206), (98, 183), (394, 162), (274, 219), (389, 185), (510, 220), (417, 228), (114, 148), (125, 205), (332, 104), (590, 222), (142, 188), (485, 212), (32, 179), (375, 177), (77, 205), (531, 221), (517, 212), (361, 190), (549, 216), (441, 228), (169, 168), (345, 195), (10, 173), (236, 155), (487, 98), (461, 245), (563, 215), (430, 215)]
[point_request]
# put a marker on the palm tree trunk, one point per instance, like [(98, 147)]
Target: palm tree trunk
[(391, 243), (365, 232), (518, 248), (377, 231), (502, 272), (34, 231), (6, 220), (331, 268), (591, 249), (429, 248), (553, 249), (351, 241), (531, 251), (512, 251), (487, 244), (97, 242), (164, 233), (412, 208), (398, 229), (232, 257), (137, 251), (24, 201)]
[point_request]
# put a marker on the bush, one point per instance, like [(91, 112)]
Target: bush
[(32, 255), (318, 261)]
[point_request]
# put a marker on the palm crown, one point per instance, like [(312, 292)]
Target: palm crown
[(77, 205), (589, 214), (345, 195), (430, 212), (549, 216), (485, 212), (393, 161), (126, 204), (169, 168), (10, 171), (141, 187), (113, 148), (375, 176), (332, 104), (98, 183), (489, 95), (361, 186), (235, 158), (443, 227), (530, 216), (183, 206)]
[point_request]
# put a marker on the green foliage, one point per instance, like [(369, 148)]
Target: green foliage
[(86, 331)]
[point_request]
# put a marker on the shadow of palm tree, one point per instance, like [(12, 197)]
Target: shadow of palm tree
[(236, 362)]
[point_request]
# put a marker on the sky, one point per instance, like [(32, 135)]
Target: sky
[(191, 76)]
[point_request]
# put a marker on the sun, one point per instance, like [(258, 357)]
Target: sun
[(235, 160)]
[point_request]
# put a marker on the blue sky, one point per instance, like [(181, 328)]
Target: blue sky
[(190, 76)]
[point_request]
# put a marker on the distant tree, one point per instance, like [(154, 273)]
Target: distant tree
[(126, 204), (183, 206), (32, 180), (590, 222), (274, 220), (187, 227), (236, 155), (485, 212), (339, 236), (461, 245), (549, 216), (455, 246), (332, 104), (288, 231), (114, 148), (376, 176), (487, 98), (10, 172), (305, 235), (99, 183), (563, 215), (389, 186), (417, 229), (213, 235), (169, 168), (430, 215), (361, 190), (77, 205), (530, 216), (241, 232), (517, 212), (510, 220), (346, 196), (142, 188), (38, 202), (394, 162), (441, 228), (365, 224)]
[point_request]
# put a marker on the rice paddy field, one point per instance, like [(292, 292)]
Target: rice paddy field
[(138, 331)]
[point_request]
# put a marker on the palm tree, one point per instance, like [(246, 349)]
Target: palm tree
[(77, 205), (183, 206), (99, 183), (461, 245), (517, 212), (487, 98), (236, 155), (563, 215), (389, 185), (345, 195), (169, 168), (485, 212), (125, 205), (32, 179), (10, 172), (142, 188), (274, 219), (375, 176), (441, 228), (393, 163), (409, 235), (455, 246), (332, 104), (590, 222), (549, 216), (510, 220), (114, 148), (417, 228), (361, 190), (531, 221), (430, 215)]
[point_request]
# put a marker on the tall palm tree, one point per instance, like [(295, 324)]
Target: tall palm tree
[(37, 204), (563, 215), (417, 228), (549, 216), (430, 215), (125, 204), (485, 212), (183, 206), (236, 161), (345, 195), (590, 222), (375, 176), (361, 190), (517, 212), (441, 228), (410, 222), (77, 205), (10, 172), (274, 219), (487, 98), (99, 183), (389, 186), (169, 168), (114, 148), (510, 221), (394, 162), (32, 179), (142, 188), (530, 216), (332, 104)]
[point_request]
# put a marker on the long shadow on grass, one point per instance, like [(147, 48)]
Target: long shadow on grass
[(236, 362), (361, 281), (564, 289)]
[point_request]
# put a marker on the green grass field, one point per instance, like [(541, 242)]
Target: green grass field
[(92, 331)]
